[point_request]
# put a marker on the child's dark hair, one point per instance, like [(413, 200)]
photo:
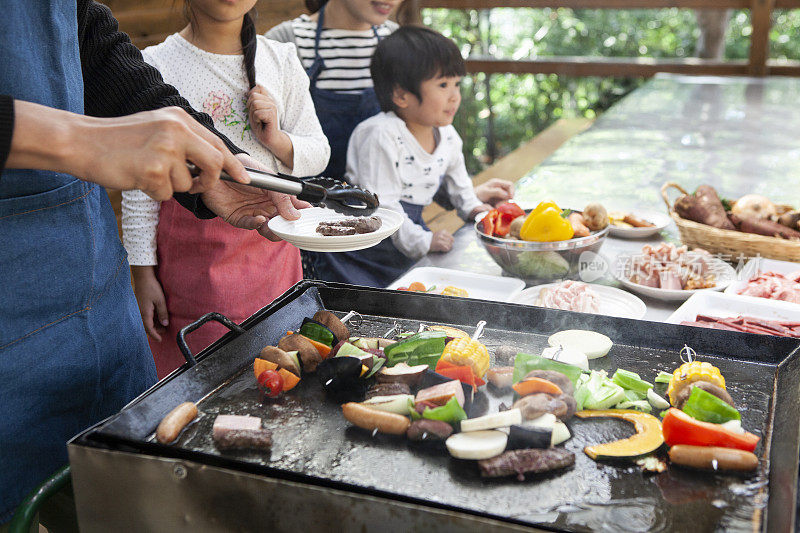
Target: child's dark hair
[(409, 56)]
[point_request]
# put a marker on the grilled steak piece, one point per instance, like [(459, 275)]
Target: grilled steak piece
[(429, 430), (531, 461), (334, 231), (350, 226), (244, 439), (387, 389)]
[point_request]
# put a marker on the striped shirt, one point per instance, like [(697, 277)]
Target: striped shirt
[(347, 54)]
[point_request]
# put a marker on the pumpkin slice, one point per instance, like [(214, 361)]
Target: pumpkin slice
[(260, 365), (648, 437)]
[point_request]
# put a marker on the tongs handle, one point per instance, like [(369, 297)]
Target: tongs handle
[(278, 182)]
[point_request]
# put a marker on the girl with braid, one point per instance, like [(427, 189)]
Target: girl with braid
[(257, 93)]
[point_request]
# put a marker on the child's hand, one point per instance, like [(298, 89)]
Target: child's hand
[(495, 191), (480, 209), (152, 304), (442, 241), (262, 111)]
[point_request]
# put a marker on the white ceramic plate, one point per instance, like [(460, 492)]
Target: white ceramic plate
[(660, 220), (481, 286), (757, 265), (613, 301), (302, 232), (724, 272), (730, 305)]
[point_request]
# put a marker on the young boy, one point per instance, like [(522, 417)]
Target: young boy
[(405, 152)]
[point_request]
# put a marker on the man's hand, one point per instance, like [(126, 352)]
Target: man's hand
[(146, 151), (248, 207), (495, 191)]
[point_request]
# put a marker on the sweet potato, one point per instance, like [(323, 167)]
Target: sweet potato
[(578, 226), (705, 207), (766, 227)]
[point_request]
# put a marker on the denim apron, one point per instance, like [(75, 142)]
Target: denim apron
[(72, 345)]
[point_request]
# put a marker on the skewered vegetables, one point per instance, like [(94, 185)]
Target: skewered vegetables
[(688, 373), (467, 352), (477, 444), (706, 407)]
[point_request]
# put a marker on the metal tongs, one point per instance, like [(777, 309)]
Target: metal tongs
[(324, 192)]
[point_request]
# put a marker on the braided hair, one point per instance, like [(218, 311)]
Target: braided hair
[(248, 37)]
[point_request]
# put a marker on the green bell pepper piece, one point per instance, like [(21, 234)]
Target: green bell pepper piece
[(418, 349), (317, 332), (706, 407), (525, 362), (631, 381), (451, 412), (663, 377)]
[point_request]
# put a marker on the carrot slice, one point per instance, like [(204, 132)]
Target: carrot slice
[(260, 365), (290, 381), (534, 385)]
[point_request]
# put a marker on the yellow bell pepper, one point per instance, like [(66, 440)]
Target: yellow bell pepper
[(546, 226), (544, 205)]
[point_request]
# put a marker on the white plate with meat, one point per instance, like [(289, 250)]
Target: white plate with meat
[(622, 223), (671, 273), (701, 307), (583, 297), (303, 232), (768, 279)]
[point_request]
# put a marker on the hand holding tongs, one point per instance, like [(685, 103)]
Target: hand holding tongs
[(327, 192)]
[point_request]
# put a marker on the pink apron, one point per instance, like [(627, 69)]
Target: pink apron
[(208, 265)]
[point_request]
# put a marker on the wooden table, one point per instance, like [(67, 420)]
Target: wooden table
[(740, 135)]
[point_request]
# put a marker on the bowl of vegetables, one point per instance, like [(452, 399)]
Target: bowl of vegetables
[(542, 244)]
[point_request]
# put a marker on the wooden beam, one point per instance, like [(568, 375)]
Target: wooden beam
[(761, 21), (635, 67), (591, 4), (777, 67)]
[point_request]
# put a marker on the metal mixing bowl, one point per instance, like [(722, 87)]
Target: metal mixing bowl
[(543, 262)]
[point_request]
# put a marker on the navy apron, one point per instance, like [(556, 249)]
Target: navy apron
[(338, 113), (373, 267), (72, 347)]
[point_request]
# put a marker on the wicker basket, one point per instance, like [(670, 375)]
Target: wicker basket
[(730, 244)]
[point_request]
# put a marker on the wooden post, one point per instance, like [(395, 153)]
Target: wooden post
[(761, 20)]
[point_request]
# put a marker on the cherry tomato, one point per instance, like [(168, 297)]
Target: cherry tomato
[(402, 288), (270, 383)]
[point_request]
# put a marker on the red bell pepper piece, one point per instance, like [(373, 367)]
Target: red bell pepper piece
[(680, 428), (489, 221), (510, 210), (506, 213), (464, 374)]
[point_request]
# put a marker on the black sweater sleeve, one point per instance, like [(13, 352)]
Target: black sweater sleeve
[(117, 81), (6, 127)]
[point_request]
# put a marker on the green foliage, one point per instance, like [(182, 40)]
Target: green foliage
[(523, 105)]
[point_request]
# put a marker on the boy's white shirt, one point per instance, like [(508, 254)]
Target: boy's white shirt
[(384, 157), (217, 84)]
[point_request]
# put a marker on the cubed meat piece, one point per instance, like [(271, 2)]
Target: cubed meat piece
[(226, 423), (440, 394)]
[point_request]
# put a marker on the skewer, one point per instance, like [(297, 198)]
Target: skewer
[(687, 354), (355, 316), (479, 330)]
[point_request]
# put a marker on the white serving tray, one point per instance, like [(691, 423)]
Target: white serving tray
[(660, 221), (754, 267), (613, 301), (725, 305), (480, 286)]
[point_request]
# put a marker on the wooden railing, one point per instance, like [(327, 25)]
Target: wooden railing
[(758, 63)]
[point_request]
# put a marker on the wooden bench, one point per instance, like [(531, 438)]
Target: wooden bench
[(512, 167)]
